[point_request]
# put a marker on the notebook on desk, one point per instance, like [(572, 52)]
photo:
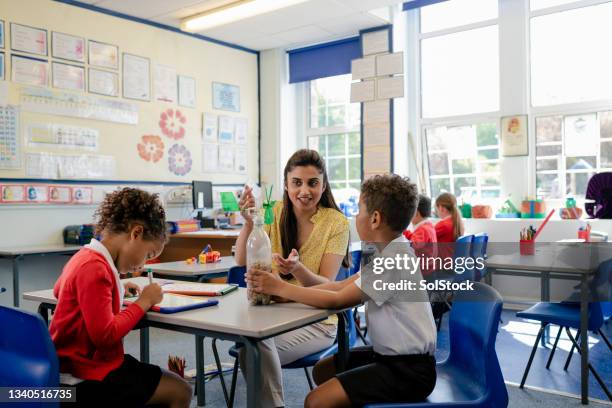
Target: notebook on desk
[(199, 289), (174, 303)]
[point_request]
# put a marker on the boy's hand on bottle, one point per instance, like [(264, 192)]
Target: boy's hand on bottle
[(287, 265), (152, 294), (263, 282), (247, 200)]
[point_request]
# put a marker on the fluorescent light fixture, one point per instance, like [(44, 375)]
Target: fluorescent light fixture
[(232, 12)]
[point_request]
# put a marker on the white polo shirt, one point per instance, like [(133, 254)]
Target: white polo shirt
[(400, 327)]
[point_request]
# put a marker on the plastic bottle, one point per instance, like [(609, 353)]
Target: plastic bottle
[(259, 256)]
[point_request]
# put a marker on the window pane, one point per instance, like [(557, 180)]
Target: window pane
[(464, 186), (548, 129), (329, 103), (605, 121), (548, 150), (569, 61), (354, 143), (491, 181), (576, 183), (489, 167), (436, 138), (486, 134), (581, 163), (494, 193), (463, 166), (606, 154), (460, 73), (548, 185), (337, 169), (540, 4), (337, 186), (355, 169), (336, 115), (439, 186), (335, 145), (488, 154), (356, 186), (456, 13), (438, 164), (547, 164), (313, 143)]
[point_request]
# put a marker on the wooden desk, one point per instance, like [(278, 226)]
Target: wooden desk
[(187, 244), (193, 272)]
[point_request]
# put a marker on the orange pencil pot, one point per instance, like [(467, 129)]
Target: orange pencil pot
[(527, 247)]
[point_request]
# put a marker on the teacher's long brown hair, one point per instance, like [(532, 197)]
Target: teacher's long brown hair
[(288, 221)]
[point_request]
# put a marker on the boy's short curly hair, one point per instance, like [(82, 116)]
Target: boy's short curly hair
[(123, 208), (393, 196)]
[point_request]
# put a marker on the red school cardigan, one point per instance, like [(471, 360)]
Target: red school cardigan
[(88, 325)]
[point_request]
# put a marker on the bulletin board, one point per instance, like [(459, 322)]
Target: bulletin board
[(122, 100)]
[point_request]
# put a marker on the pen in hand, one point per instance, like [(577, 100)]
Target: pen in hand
[(150, 273)]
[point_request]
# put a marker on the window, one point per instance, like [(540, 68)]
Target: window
[(457, 13), (569, 150), (464, 160), (570, 61), (334, 130)]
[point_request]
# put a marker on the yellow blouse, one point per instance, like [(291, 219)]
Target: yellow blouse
[(330, 235)]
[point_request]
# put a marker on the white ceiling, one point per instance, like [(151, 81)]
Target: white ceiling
[(306, 23)]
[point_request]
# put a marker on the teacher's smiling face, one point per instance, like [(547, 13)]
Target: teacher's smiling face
[(305, 186)]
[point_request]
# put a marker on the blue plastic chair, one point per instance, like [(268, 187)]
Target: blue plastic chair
[(471, 375), (27, 353), (565, 315), (479, 250), (236, 275), (463, 249)]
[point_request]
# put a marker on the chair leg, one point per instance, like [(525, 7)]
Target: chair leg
[(310, 384), (603, 336), (552, 352), (533, 351), (571, 352), (591, 368), (233, 386), (220, 371), (358, 327)]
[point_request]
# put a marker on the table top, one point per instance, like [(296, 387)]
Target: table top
[(182, 268), (209, 233), (233, 315), (38, 249)]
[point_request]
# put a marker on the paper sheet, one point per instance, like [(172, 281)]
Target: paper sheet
[(186, 91), (136, 77), (375, 42), (209, 127), (29, 71), (241, 160), (103, 82), (62, 136), (362, 91), (376, 112), (226, 158), (68, 77), (241, 131), (391, 87), (390, 64), (210, 158), (165, 83), (10, 150), (226, 129), (363, 68), (376, 134)]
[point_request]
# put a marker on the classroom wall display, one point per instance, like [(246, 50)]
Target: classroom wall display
[(10, 155), (514, 138), (226, 158), (82, 195), (240, 160), (209, 127), (1, 65), (60, 194), (179, 160), (226, 97), (67, 47), (30, 71), (1, 33), (37, 193), (80, 106), (150, 148), (58, 135), (59, 166), (210, 157), (28, 39), (186, 91), (66, 76), (12, 193), (172, 123), (103, 82), (241, 130), (136, 77), (103, 55), (226, 129), (165, 83)]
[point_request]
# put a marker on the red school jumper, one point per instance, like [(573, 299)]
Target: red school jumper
[(424, 232), (444, 230), (88, 325)]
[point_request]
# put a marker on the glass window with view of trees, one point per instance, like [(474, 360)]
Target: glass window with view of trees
[(334, 130), (464, 160)]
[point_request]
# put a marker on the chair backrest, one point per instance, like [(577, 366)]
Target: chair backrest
[(463, 249), (235, 275), (355, 262), (473, 324), (26, 351), (479, 250)]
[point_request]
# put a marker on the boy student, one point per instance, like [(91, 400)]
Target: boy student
[(399, 365), (89, 325)]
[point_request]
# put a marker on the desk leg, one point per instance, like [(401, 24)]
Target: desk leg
[(343, 342), (545, 297), (253, 367), (584, 338), (16, 281), (144, 344), (43, 311), (200, 374)]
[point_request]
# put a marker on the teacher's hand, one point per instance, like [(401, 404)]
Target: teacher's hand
[(246, 201), (287, 266)]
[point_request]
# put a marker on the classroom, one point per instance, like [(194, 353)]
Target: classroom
[(305, 203)]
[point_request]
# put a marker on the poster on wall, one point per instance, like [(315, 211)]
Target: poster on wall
[(209, 127), (103, 82), (226, 97), (10, 155), (103, 55), (37, 193), (514, 140), (136, 77), (241, 131), (226, 129), (82, 195), (12, 193), (226, 158), (31, 71), (165, 83), (186, 91), (60, 194), (210, 157), (28, 39), (67, 76), (68, 47), (241, 160)]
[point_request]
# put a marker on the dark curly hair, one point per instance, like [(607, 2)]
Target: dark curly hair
[(123, 208), (393, 196)]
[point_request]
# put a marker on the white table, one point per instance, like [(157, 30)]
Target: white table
[(195, 271), (232, 319), (15, 254), (567, 261)]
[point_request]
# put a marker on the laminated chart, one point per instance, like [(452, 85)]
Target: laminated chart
[(80, 106), (59, 166), (10, 157)]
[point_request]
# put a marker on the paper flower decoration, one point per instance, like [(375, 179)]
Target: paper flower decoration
[(151, 148), (171, 123), (179, 160)]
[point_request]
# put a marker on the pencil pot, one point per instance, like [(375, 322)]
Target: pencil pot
[(527, 247), (584, 234), (259, 256)]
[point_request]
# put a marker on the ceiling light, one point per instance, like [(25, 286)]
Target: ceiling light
[(233, 12)]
